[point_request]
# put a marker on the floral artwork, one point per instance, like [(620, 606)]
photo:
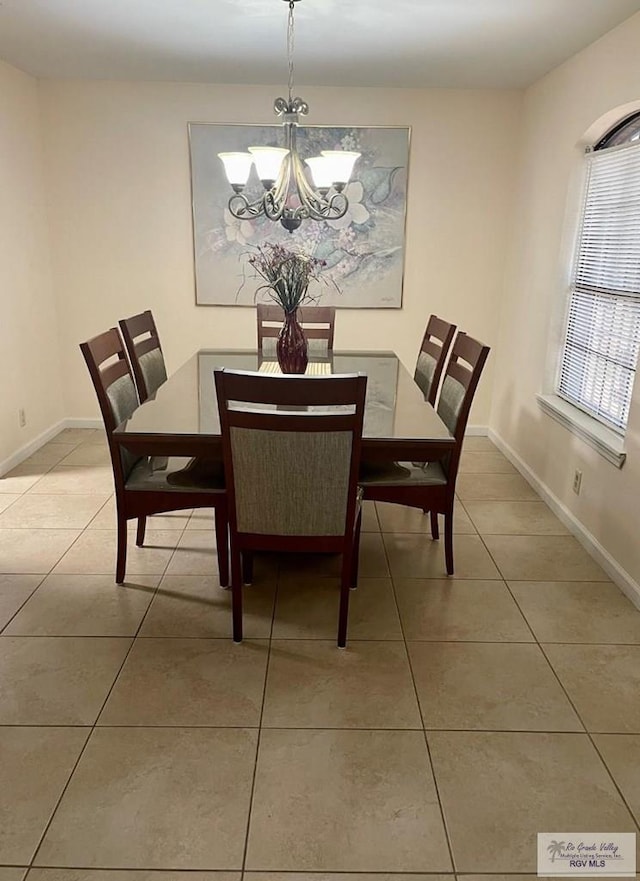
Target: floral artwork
[(362, 253)]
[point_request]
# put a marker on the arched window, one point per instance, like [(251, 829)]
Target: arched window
[(600, 352), (624, 132)]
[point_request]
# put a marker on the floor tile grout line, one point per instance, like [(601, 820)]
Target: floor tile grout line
[(42, 466), (248, 873), (307, 638), (544, 654), (632, 814), (260, 728), (590, 734), (567, 695), (417, 697), (498, 569), (22, 605), (280, 727), (587, 732), (101, 509), (471, 520), (95, 723), (10, 505)]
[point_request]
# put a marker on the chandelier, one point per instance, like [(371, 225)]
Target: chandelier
[(291, 192)]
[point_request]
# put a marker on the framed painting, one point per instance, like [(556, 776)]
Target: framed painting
[(363, 251)]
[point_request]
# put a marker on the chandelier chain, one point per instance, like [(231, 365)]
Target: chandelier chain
[(290, 45)]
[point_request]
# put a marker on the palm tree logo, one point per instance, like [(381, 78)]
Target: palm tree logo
[(555, 849)]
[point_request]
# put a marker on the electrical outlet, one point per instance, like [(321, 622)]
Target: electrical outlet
[(22, 417), (577, 481)]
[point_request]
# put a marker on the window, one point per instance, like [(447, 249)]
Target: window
[(600, 352)]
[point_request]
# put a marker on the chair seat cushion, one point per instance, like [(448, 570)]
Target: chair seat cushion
[(402, 474), (176, 474)]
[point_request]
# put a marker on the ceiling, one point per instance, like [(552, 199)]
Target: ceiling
[(420, 43)]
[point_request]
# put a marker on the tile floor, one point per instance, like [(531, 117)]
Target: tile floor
[(467, 714)]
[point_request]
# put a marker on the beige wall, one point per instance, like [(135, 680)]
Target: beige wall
[(29, 358), (559, 111), (118, 173)]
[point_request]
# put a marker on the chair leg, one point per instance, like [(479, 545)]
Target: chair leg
[(222, 545), (247, 567), (344, 616), (142, 525), (346, 580), (236, 594), (448, 541), (355, 554), (435, 530), (121, 559)]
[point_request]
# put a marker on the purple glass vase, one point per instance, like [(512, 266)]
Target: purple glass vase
[(291, 346)]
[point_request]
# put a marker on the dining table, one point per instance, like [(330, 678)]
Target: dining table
[(181, 419)]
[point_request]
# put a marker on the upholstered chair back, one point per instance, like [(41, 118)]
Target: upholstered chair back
[(291, 482), (461, 378), (318, 323), (153, 370), (291, 447), (145, 353), (123, 400), (114, 386), (432, 356)]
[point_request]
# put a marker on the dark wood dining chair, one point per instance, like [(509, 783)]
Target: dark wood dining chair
[(431, 485), (148, 485), (318, 323), (432, 356), (145, 353), (292, 471)]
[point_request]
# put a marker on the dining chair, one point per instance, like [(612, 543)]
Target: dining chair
[(318, 323), (432, 356), (291, 449), (431, 485), (145, 355), (149, 484)]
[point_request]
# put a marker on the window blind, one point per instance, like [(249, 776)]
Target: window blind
[(600, 352)]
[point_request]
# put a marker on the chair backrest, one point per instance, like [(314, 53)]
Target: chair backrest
[(113, 382), (461, 378), (291, 448), (318, 323), (145, 355), (432, 356)]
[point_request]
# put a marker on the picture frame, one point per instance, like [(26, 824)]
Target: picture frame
[(364, 251)]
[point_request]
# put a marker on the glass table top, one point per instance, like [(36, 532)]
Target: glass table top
[(186, 403)]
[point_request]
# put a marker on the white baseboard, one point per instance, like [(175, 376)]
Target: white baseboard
[(590, 543), (477, 431), (30, 448)]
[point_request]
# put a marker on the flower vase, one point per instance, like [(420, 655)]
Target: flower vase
[(291, 346)]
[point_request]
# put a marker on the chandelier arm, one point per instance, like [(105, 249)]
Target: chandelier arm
[(281, 187), (241, 208), (272, 209), (329, 209), (338, 205), (317, 206)]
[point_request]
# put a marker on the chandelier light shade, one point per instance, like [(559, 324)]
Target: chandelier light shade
[(293, 189)]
